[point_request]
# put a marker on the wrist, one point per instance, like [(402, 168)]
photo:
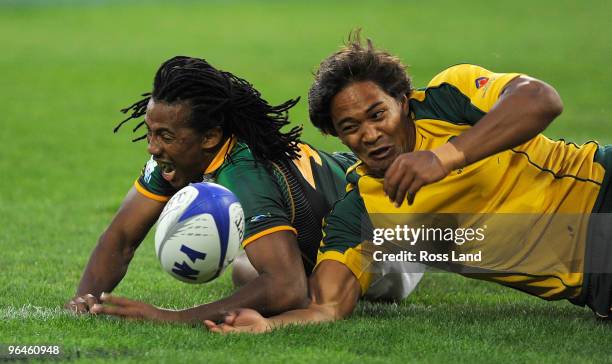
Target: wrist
[(169, 315), (449, 156)]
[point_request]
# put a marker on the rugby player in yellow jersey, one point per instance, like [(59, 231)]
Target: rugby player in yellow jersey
[(204, 123), (467, 143)]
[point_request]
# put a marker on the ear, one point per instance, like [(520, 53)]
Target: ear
[(404, 104), (212, 138)]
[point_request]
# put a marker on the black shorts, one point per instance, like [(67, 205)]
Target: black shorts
[(597, 293), (597, 280)]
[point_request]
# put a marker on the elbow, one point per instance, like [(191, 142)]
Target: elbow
[(127, 253), (552, 104), (332, 312), (290, 293), (296, 294), (115, 244), (546, 102)]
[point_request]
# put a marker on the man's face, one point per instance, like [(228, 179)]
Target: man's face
[(177, 148), (372, 124)]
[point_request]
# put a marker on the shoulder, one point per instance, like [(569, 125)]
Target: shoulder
[(151, 184), (472, 81), (248, 179), (354, 173), (240, 162), (458, 75), (344, 230), (460, 94), (347, 213), (448, 95)]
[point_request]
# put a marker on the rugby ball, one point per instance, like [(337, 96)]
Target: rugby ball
[(199, 232)]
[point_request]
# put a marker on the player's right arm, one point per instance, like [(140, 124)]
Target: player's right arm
[(109, 260)]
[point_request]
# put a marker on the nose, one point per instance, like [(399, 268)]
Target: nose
[(371, 134), (153, 147)]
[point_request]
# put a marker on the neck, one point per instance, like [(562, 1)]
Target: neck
[(210, 156)]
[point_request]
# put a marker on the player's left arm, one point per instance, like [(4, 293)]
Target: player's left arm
[(334, 292), (525, 107)]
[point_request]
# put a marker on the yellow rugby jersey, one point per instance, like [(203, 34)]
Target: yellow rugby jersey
[(541, 177)]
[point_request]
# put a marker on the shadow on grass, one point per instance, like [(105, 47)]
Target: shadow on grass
[(479, 313)]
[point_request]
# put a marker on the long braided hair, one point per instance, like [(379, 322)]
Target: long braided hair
[(221, 99)]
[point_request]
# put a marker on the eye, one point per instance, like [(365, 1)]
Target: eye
[(378, 115), (167, 138), (349, 128)]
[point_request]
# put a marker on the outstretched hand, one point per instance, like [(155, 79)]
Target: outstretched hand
[(242, 320), (81, 304), (127, 308), (411, 171)]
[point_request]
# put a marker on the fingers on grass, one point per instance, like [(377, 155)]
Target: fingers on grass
[(115, 300), (226, 329), (112, 310), (211, 326), (230, 317), (81, 305), (90, 300), (72, 306)]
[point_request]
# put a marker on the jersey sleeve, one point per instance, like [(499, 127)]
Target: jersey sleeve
[(265, 210), (152, 185), (345, 159), (466, 92), (345, 230)]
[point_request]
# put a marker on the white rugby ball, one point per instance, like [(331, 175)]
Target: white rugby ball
[(199, 232)]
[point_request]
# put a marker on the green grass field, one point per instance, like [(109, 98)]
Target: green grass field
[(66, 70)]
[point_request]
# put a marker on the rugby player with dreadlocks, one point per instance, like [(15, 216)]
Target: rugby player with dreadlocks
[(206, 124)]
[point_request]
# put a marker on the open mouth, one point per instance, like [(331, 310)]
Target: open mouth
[(168, 170), (380, 153)]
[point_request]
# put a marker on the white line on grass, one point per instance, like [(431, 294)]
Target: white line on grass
[(31, 312)]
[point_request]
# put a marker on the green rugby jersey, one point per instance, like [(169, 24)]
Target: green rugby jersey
[(292, 196)]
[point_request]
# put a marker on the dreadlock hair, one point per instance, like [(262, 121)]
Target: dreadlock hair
[(354, 63), (221, 99)]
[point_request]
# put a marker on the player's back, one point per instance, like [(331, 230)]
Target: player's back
[(286, 195)]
